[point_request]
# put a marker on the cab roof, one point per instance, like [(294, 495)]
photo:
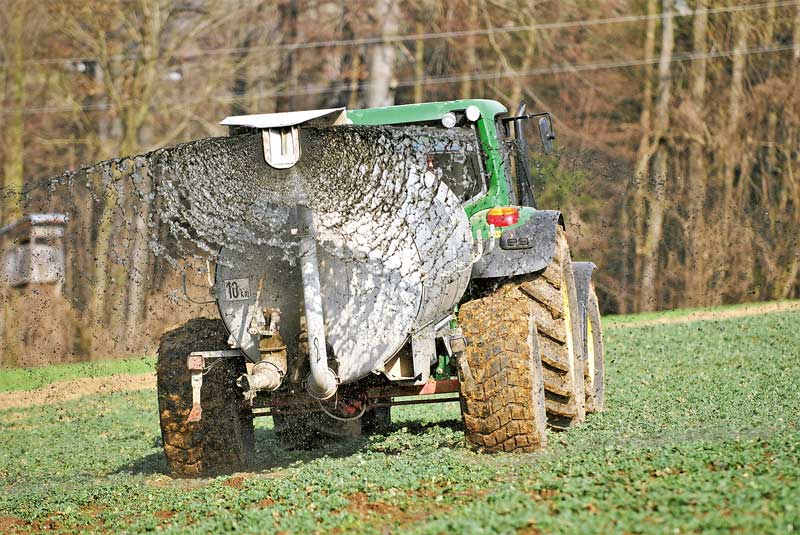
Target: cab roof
[(427, 111), (403, 114)]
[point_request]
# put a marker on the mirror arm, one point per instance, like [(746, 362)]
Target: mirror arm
[(524, 186)]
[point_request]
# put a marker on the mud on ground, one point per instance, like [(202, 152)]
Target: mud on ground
[(62, 391)]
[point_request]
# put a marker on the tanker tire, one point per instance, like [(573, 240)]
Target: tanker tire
[(377, 421), (500, 373), (594, 369), (313, 430), (223, 440)]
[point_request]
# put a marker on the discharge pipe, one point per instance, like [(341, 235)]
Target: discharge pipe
[(322, 382)]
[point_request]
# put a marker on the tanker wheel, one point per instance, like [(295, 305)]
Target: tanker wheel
[(377, 420), (223, 440), (594, 370), (308, 431)]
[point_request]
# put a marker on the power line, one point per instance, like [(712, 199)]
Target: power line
[(424, 36), (565, 68), (318, 89)]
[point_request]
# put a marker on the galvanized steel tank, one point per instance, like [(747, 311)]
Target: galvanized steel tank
[(393, 261), (371, 304)]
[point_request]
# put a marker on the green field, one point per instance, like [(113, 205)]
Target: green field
[(701, 435)]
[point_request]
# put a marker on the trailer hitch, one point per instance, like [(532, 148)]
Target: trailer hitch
[(196, 363)]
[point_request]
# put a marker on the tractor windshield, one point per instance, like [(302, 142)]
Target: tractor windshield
[(459, 165)]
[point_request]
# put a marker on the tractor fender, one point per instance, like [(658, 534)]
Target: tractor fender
[(583, 278), (582, 272), (520, 250)]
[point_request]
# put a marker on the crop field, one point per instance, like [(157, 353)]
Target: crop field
[(701, 434)]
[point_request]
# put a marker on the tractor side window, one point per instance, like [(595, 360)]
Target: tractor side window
[(459, 170)]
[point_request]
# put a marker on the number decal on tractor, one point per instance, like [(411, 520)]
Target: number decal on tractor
[(237, 289)]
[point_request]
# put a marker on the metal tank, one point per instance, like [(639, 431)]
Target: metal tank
[(372, 303), (378, 253)]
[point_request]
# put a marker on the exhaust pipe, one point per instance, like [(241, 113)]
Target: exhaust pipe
[(322, 382)]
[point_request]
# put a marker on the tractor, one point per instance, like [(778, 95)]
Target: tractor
[(475, 299)]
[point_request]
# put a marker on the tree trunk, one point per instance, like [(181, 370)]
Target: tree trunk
[(382, 57), (419, 66), (736, 96), (731, 150), (655, 222), (288, 69), (355, 80), (240, 76), (645, 151), (796, 40), (697, 238), (13, 130), (470, 55)]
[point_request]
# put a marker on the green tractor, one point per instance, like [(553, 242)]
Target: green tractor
[(474, 298)]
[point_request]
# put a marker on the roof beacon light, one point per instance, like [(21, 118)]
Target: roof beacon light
[(505, 216), (449, 120), (473, 113)]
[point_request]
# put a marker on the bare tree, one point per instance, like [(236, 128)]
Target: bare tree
[(382, 56), (695, 230), (657, 198)]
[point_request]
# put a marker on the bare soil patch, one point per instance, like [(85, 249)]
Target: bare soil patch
[(62, 391), (704, 315), (9, 524)]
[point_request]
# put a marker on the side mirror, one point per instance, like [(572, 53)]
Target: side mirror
[(547, 133)]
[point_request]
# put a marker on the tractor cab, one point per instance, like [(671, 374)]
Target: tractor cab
[(497, 167)]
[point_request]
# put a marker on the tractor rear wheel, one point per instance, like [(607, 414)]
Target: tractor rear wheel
[(223, 440), (522, 336), (595, 358), (500, 373)]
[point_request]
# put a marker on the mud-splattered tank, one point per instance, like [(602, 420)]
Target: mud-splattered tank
[(394, 246)]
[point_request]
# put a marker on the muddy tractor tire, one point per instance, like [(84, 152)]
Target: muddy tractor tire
[(594, 369), (521, 361), (554, 305), (500, 373), (223, 440)]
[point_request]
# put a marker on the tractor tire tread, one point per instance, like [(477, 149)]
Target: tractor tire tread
[(223, 440), (501, 378)]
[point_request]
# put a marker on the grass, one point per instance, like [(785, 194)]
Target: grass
[(701, 435), (30, 378)]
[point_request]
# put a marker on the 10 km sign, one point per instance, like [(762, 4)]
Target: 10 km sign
[(237, 289)]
